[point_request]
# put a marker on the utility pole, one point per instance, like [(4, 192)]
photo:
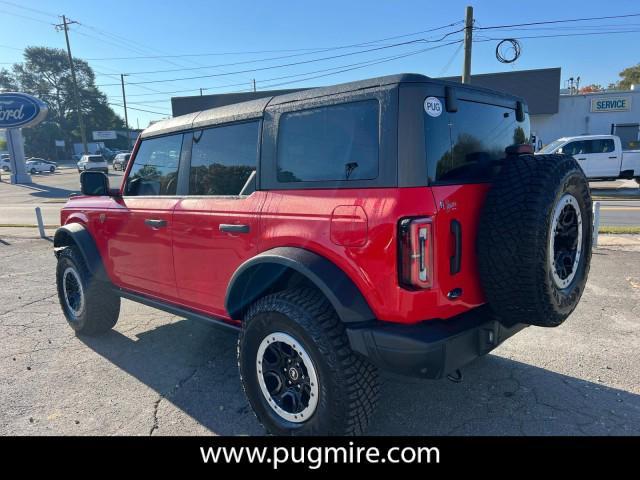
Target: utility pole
[(65, 26), (254, 84), (126, 117), (468, 41), (200, 92)]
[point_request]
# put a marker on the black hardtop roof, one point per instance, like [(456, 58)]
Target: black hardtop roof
[(255, 108)]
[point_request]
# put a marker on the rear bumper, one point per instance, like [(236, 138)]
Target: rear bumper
[(430, 349)]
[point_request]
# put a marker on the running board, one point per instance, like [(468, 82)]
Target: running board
[(175, 309)]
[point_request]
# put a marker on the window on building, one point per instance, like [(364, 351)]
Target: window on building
[(338, 142), (223, 159), (155, 167)]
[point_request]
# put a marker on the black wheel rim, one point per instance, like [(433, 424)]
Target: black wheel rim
[(287, 377), (73, 291), (565, 240)]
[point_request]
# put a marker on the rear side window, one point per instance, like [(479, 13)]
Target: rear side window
[(223, 159), (338, 142), (155, 167), (469, 145)]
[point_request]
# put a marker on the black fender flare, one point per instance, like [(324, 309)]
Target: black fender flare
[(76, 234), (255, 277)]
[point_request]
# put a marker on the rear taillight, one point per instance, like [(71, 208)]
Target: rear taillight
[(415, 253)]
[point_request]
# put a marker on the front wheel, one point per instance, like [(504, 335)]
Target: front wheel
[(298, 371), (33, 171), (52, 169), (89, 305)]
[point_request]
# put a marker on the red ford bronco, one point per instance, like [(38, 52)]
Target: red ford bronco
[(399, 223)]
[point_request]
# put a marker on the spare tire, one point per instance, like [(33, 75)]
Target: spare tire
[(534, 241)]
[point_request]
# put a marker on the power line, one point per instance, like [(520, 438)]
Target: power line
[(277, 66), (558, 21), (341, 68), (519, 37), (309, 49), (35, 10), (138, 109), (422, 40)]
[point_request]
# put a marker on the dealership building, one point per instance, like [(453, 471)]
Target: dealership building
[(553, 114)]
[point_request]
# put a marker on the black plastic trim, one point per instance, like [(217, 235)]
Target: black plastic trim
[(175, 309), (82, 239), (256, 276), (433, 348)]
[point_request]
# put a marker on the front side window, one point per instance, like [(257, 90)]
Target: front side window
[(155, 167), (223, 159), (338, 142), (469, 145)]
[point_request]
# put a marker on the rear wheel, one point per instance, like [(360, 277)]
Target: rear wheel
[(33, 171), (52, 169), (298, 371), (89, 305), (534, 243)]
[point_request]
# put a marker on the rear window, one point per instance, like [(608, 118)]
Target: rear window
[(337, 142), (469, 145), (223, 159), (95, 158)]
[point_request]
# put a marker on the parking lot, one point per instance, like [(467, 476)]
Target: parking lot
[(158, 374)]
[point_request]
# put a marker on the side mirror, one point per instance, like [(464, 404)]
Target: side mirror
[(94, 184)]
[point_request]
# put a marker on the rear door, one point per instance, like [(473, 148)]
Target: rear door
[(604, 161), (138, 230), (216, 225)]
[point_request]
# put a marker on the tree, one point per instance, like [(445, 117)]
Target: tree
[(45, 74), (630, 76)]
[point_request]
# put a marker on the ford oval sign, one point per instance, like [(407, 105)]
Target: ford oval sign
[(19, 110)]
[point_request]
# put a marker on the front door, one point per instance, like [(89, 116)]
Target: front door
[(139, 226), (216, 226)]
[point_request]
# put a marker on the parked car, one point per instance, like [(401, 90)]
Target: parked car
[(5, 163), (93, 162), (121, 160), (600, 156), (388, 223), (50, 162), (37, 165)]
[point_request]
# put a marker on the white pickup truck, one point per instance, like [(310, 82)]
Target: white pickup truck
[(600, 156)]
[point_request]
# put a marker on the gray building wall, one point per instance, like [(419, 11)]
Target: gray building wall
[(540, 88), (575, 117), (184, 105)]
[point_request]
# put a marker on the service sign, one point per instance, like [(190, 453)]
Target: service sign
[(611, 104), (18, 110)]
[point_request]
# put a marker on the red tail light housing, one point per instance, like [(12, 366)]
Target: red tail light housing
[(415, 253)]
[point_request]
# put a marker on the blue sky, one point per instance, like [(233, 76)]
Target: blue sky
[(227, 30)]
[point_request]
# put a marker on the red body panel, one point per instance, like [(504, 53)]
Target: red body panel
[(190, 262)]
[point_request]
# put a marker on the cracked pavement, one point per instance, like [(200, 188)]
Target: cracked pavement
[(157, 374)]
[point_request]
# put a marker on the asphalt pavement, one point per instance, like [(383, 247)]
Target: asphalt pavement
[(158, 374)]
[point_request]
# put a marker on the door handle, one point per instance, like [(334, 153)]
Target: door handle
[(583, 158), (155, 223), (613, 157), (233, 228)]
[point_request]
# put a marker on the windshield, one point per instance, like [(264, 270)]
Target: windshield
[(552, 146)]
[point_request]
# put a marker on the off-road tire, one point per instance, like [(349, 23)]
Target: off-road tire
[(514, 239), (101, 306), (347, 383)]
